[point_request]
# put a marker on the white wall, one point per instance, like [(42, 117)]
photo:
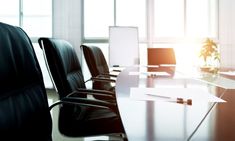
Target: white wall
[(227, 32), (67, 21)]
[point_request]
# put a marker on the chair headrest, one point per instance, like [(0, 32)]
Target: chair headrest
[(19, 65)]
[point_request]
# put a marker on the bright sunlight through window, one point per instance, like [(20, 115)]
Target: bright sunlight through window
[(181, 24)]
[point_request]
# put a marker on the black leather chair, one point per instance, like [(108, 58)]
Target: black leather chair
[(65, 71), (98, 68), (24, 111)]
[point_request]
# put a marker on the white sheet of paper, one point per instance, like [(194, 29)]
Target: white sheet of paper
[(150, 73), (167, 94)]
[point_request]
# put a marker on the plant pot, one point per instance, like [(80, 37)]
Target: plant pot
[(209, 69)]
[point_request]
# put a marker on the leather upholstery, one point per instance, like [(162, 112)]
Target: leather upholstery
[(24, 112), (66, 72), (95, 60), (97, 65), (64, 65)]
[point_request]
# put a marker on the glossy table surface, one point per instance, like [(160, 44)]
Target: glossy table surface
[(149, 120)]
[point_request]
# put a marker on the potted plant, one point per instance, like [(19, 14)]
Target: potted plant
[(210, 55)]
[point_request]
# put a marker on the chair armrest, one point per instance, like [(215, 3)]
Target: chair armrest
[(103, 79), (116, 70), (107, 74), (85, 102), (96, 91), (90, 92)]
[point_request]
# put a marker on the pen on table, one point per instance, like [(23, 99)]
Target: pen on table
[(177, 100)]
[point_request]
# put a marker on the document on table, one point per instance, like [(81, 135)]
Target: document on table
[(160, 73), (169, 94)]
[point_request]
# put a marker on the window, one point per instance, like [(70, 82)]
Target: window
[(169, 18), (98, 16), (181, 24), (9, 11), (35, 17), (128, 14), (201, 18)]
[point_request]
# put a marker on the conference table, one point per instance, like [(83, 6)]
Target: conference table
[(207, 112)]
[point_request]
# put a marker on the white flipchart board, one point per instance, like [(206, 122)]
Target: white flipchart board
[(123, 46)]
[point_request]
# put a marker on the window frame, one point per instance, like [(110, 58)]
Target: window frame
[(150, 39), (34, 39)]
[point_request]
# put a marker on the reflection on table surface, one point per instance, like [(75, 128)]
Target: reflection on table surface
[(147, 120)]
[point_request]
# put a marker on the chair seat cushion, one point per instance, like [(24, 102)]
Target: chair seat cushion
[(88, 121)]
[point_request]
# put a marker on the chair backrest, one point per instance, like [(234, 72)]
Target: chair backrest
[(159, 56), (24, 112), (97, 65), (63, 65), (95, 59)]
